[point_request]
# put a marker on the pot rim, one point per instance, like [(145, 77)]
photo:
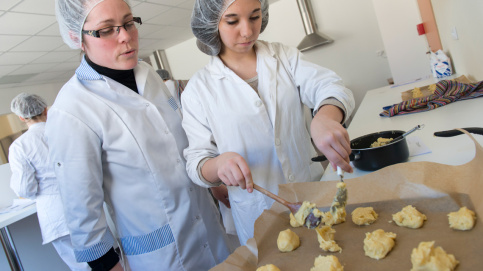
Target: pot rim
[(376, 133)]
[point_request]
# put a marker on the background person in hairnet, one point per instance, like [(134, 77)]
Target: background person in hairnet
[(33, 176), (116, 137), (243, 112)]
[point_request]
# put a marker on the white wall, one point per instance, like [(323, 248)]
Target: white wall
[(405, 49), (467, 17), (353, 55)]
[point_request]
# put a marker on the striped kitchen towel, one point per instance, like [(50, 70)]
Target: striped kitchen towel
[(447, 91)]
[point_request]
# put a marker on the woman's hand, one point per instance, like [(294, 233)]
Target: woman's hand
[(221, 194), (231, 169), (331, 138)]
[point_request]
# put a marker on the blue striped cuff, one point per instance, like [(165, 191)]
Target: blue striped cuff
[(135, 245), (96, 251)]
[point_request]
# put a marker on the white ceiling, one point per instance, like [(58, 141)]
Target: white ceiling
[(32, 51)]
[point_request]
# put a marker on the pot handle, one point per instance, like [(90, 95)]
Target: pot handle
[(322, 158), (450, 133)]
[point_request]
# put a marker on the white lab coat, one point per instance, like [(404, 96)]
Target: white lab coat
[(111, 144), (33, 177), (222, 113)]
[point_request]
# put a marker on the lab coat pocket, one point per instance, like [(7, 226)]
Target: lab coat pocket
[(246, 209), (165, 257)]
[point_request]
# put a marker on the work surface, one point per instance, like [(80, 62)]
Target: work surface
[(6, 199), (451, 151)]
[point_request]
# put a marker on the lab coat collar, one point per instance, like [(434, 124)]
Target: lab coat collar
[(37, 125), (86, 72), (218, 69)]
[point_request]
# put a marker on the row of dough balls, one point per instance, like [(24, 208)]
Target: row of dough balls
[(463, 219), (425, 257), (379, 243), (376, 245)]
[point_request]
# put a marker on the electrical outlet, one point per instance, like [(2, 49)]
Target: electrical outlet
[(454, 33)]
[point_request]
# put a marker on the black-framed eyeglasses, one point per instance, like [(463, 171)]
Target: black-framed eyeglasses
[(113, 31)]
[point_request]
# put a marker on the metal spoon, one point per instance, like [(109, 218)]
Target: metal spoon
[(340, 199), (419, 127)]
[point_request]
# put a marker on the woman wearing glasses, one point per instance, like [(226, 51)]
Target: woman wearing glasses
[(115, 136)]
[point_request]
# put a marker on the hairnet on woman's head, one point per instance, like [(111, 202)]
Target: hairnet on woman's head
[(71, 16), (205, 19), (28, 105)]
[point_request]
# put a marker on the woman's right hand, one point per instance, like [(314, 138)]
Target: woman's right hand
[(231, 168)]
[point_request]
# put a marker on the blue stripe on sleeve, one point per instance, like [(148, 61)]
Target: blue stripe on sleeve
[(95, 251), (135, 245)]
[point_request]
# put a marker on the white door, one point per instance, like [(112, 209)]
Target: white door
[(405, 49)]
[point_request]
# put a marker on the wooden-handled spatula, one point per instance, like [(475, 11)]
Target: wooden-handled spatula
[(293, 207)]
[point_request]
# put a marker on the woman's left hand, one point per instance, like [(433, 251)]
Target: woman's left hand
[(331, 138), (221, 194)]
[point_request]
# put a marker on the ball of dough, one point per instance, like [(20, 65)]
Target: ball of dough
[(268, 267), (327, 263), (378, 243), (409, 217), (325, 235), (462, 220), (287, 241), (428, 258), (364, 216)]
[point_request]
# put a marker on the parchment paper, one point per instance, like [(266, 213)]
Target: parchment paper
[(434, 189)]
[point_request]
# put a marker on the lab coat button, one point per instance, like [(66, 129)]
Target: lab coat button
[(147, 104), (191, 188), (178, 160), (197, 217), (277, 141), (205, 245), (166, 131), (291, 178), (258, 103), (59, 164)]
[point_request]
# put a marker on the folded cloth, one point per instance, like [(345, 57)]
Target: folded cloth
[(447, 91)]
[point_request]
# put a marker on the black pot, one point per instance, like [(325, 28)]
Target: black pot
[(366, 158)]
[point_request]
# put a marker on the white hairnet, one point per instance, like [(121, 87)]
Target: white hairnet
[(28, 105), (205, 19), (71, 16)]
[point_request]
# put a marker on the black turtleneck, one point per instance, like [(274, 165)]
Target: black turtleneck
[(125, 77)]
